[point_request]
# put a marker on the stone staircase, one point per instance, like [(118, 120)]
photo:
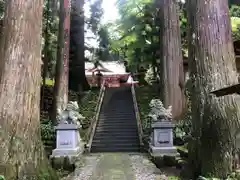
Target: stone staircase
[(116, 130)]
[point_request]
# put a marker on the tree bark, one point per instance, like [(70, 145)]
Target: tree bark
[(171, 66), (77, 78), (62, 66), (21, 151), (212, 66)]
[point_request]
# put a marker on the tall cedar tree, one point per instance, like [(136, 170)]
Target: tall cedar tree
[(77, 77), (60, 98), (212, 66), (21, 152), (45, 51), (171, 66)]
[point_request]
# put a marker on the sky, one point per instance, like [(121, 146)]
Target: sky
[(110, 10), (110, 14)]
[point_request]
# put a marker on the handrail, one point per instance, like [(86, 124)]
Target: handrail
[(139, 123), (91, 130)]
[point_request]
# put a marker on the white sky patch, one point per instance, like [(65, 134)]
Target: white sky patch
[(110, 15), (110, 11)]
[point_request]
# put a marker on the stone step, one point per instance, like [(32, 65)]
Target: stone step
[(116, 134), (110, 145), (118, 145), (95, 149), (116, 141), (117, 127), (131, 117), (118, 109), (117, 130), (117, 114), (110, 124), (116, 120), (122, 129)]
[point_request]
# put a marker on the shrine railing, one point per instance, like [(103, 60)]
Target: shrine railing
[(137, 113), (92, 128)]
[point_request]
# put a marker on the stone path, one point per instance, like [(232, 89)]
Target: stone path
[(115, 166)]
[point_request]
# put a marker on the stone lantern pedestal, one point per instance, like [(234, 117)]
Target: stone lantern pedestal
[(68, 141), (162, 139)]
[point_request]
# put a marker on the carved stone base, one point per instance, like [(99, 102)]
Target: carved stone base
[(163, 151), (66, 152), (69, 142)]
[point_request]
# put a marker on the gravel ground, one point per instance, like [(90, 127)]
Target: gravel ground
[(115, 166), (85, 168), (144, 169)]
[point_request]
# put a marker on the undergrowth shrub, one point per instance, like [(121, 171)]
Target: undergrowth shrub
[(48, 134), (183, 129), (144, 95)]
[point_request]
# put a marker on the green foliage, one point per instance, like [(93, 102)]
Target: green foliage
[(48, 134), (173, 178), (2, 5), (49, 82), (87, 109), (183, 129), (232, 176), (50, 21), (2, 177), (136, 33), (150, 77), (236, 27), (235, 11), (182, 132), (45, 172), (144, 95), (47, 130), (96, 15), (100, 31)]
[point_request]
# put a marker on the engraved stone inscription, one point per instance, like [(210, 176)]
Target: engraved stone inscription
[(163, 138), (65, 143)]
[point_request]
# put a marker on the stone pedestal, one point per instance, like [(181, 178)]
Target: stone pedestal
[(162, 139), (68, 141)]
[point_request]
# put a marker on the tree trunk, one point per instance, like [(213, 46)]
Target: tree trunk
[(62, 66), (171, 66), (21, 151), (212, 66), (46, 50), (77, 77)]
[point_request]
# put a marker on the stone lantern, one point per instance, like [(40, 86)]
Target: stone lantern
[(161, 143), (69, 142)]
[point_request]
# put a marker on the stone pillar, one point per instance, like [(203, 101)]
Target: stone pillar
[(162, 139)]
